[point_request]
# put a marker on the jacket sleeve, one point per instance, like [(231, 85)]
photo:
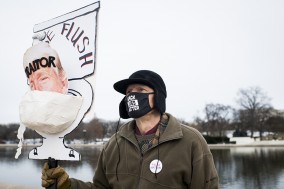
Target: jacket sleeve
[(99, 180), (204, 173), (76, 184)]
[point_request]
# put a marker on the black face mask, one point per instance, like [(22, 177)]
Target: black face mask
[(137, 104)]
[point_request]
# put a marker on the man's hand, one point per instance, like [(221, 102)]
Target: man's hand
[(49, 176)]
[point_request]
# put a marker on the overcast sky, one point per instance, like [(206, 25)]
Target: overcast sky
[(205, 50)]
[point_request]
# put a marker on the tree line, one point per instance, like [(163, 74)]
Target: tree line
[(254, 114), (94, 130)]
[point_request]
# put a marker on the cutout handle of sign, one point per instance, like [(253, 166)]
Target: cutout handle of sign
[(52, 163)]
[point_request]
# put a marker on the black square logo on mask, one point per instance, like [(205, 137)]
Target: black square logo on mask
[(132, 103)]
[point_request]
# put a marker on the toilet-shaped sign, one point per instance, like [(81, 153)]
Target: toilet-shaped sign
[(62, 56)]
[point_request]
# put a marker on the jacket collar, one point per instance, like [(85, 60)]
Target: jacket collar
[(172, 132)]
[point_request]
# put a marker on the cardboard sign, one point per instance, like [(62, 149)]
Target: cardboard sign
[(73, 35), (65, 44)]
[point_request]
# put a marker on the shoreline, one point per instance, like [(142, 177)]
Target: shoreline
[(33, 145), (269, 143), (279, 143), (214, 146)]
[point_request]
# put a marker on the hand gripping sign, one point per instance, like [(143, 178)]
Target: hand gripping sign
[(63, 54)]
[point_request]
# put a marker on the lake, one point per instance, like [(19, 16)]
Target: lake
[(238, 167)]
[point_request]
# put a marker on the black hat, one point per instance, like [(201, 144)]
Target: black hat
[(148, 78)]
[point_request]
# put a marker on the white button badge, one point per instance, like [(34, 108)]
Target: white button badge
[(156, 166)]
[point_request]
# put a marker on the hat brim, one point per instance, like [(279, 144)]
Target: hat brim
[(122, 85)]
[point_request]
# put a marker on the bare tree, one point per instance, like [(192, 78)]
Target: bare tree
[(110, 127), (201, 125), (255, 106), (240, 122), (276, 124), (217, 117), (262, 116), (94, 130)]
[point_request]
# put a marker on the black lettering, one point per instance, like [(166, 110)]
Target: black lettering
[(31, 68), (65, 29), (48, 35), (27, 72), (85, 59), (70, 29), (51, 61), (46, 62), (78, 40), (36, 64), (85, 39), (74, 41)]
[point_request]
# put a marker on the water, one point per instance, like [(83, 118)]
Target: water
[(250, 167), (23, 171), (238, 167)]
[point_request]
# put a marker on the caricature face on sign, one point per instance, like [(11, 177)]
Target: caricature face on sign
[(56, 66), (44, 70), (53, 111)]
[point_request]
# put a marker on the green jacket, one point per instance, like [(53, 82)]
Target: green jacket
[(186, 162)]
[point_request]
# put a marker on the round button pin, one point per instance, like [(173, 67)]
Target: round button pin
[(156, 166)]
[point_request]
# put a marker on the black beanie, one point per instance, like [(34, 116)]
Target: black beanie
[(148, 78)]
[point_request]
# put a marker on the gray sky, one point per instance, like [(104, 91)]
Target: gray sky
[(205, 50)]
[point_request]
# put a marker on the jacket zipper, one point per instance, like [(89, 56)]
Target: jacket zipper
[(140, 170), (140, 163)]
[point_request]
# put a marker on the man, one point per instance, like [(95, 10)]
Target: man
[(44, 70), (153, 151)]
